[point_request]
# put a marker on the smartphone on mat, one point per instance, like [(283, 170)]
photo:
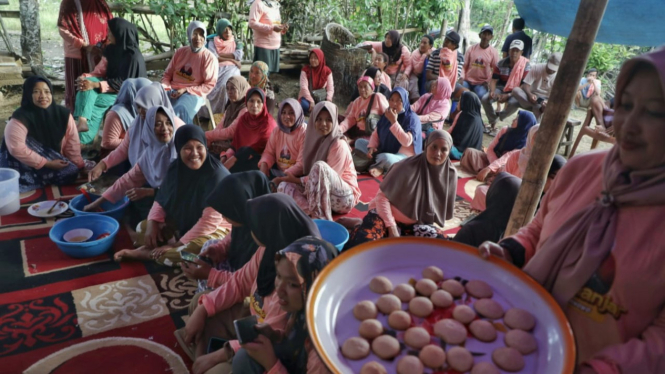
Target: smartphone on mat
[(245, 330), (215, 344)]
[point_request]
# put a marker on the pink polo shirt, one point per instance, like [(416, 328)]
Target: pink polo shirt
[(262, 18), (479, 64), (197, 72)]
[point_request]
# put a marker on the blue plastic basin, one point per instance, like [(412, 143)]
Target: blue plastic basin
[(99, 225), (116, 210), (333, 232)]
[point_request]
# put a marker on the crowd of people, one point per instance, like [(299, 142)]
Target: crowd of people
[(243, 196)]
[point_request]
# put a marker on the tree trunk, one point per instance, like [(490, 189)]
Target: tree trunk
[(444, 26), (498, 42), (575, 56), (465, 25), (31, 46)]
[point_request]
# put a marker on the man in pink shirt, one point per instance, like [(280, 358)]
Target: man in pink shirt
[(479, 61), (266, 23), (415, 71)]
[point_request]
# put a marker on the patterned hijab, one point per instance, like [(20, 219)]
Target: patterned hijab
[(308, 256), (317, 146), (263, 67)]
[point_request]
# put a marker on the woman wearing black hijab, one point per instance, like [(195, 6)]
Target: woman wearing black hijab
[(41, 141), (276, 221), (231, 253), (98, 90), (181, 205), (468, 128)]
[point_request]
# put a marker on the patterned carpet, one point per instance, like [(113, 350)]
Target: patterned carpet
[(64, 315)]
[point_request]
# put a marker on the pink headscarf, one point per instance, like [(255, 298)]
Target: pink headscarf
[(571, 255), (369, 81)]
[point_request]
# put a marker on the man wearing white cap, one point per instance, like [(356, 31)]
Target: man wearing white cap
[(508, 74), (535, 89)]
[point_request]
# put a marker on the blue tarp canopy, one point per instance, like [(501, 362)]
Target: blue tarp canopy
[(636, 22)]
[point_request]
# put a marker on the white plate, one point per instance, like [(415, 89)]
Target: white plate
[(345, 282), (40, 209)]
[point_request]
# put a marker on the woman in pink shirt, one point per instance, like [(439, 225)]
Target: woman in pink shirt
[(290, 351), (151, 168), (368, 106), (432, 108), (265, 21), (328, 182), (181, 210), (596, 242), (191, 74), (41, 141), (399, 56), (83, 26), (315, 76), (121, 115), (281, 155), (398, 135), (229, 54), (236, 90), (213, 314), (413, 208)]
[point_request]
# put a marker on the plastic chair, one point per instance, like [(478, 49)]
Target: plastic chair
[(598, 134)]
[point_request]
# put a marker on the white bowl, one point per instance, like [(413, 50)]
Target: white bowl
[(77, 235)]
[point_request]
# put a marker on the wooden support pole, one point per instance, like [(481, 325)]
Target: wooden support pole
[(589, 15), (31, 39)]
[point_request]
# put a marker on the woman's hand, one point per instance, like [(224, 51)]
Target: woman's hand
[(278, 28), (92, 207), (177, 93), (87, 85), (56, 164), (159, 251), (393, 232), (391, 115), (139, 193), (195, 325), (289, 178), (192, 271), (153, 235), (97, 171), (261, 350), (370, 152), (482, 175), (488, 249), (265, 169), (230, 162)]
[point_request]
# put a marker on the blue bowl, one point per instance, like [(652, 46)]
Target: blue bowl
[(116, 210), (97, 223), (333, 232)]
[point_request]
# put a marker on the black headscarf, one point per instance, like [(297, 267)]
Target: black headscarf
[(230, 200), (276, 221), (184, 192), (491, 223), (394, 52), (47, 126), (515, 137), (468, 132), (124, 57)]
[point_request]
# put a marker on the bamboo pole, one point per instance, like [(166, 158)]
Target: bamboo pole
[(589, 15)]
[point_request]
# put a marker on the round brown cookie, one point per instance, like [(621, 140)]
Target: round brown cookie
[(380, 285), (478, 289), (399, 320), (508, 359), (464, 314), (516, 318), (355, 348), (521, 340), (432, 356), (485, 368), (442, 299), (386, 347), (373, 367), (409, 365), (426, 287), (433, 273), (365, 310), (388, 303), (405, 292), (416, 337), (421, 306), (488, 308), (459, 359), (483, 330), (370, 329), (451, 331), (454, 287)]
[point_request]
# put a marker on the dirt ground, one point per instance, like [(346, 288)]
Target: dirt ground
[(287, 81)]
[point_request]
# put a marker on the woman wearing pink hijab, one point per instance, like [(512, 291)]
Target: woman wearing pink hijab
[(596, 243)]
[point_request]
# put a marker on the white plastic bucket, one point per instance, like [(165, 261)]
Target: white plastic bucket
[(9, 196)]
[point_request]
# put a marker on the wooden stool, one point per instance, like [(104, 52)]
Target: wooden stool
[(567, 136)]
